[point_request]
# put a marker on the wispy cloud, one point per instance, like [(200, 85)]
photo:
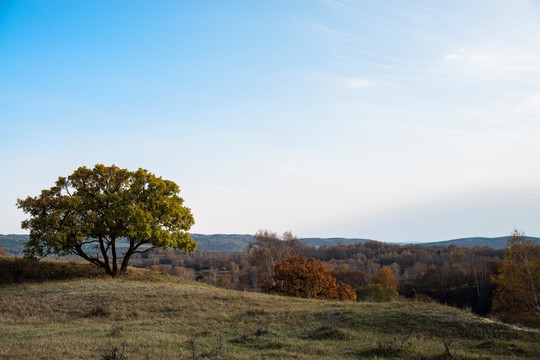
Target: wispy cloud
[(344, 82), (499, 63)]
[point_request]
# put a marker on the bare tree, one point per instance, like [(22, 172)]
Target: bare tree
[(268, 248)]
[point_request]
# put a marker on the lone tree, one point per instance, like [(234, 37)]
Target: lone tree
[(92, 209)]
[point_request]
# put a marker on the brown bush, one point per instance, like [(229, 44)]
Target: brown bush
[(306, 278), (345, 292)]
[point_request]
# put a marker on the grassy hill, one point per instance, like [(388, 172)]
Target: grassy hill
[(151, 316)]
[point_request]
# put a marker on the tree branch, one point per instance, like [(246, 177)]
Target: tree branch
[(89, 242), (145, 250), (79, 252)]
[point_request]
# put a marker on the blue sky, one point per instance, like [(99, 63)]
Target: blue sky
[(390, 120)]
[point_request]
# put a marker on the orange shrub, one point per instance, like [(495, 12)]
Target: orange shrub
[(345, 292), (306, 278)]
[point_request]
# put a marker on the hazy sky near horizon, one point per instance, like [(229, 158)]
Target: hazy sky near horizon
[(390, 120)]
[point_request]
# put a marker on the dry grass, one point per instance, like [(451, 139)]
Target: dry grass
[(15, 269), (159, 317)]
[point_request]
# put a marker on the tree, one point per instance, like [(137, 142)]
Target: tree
[(517, 295), (268, 248), (2, 251), (386, 278), (306, 278), (91, 210)]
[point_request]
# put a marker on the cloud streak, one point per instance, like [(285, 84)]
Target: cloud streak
[(344, 82), (493, 64)]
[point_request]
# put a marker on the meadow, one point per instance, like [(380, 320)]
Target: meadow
[(150, 315)]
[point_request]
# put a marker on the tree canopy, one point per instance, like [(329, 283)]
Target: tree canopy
[(92, 209)]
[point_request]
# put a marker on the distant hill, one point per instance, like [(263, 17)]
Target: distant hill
[(333, 241), (222, 242), (14, 244), (495, 243), (230, 243)]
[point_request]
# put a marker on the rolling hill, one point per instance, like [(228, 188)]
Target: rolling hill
[(146, 315)]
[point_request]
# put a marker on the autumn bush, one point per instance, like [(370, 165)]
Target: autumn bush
[(345, 292), (306, 278)]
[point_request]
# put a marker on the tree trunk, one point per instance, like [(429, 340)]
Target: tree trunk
[(113, 252), (107, 265)]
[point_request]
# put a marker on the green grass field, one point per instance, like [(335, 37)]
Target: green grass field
[(153, 316)]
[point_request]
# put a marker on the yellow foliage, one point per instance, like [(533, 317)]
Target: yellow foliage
[(517, 297), (386, 278)]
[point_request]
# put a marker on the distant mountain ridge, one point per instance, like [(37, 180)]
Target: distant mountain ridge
[(495, 243), (14, 244)]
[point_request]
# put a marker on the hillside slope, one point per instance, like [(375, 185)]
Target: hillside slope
[(170, 319)]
